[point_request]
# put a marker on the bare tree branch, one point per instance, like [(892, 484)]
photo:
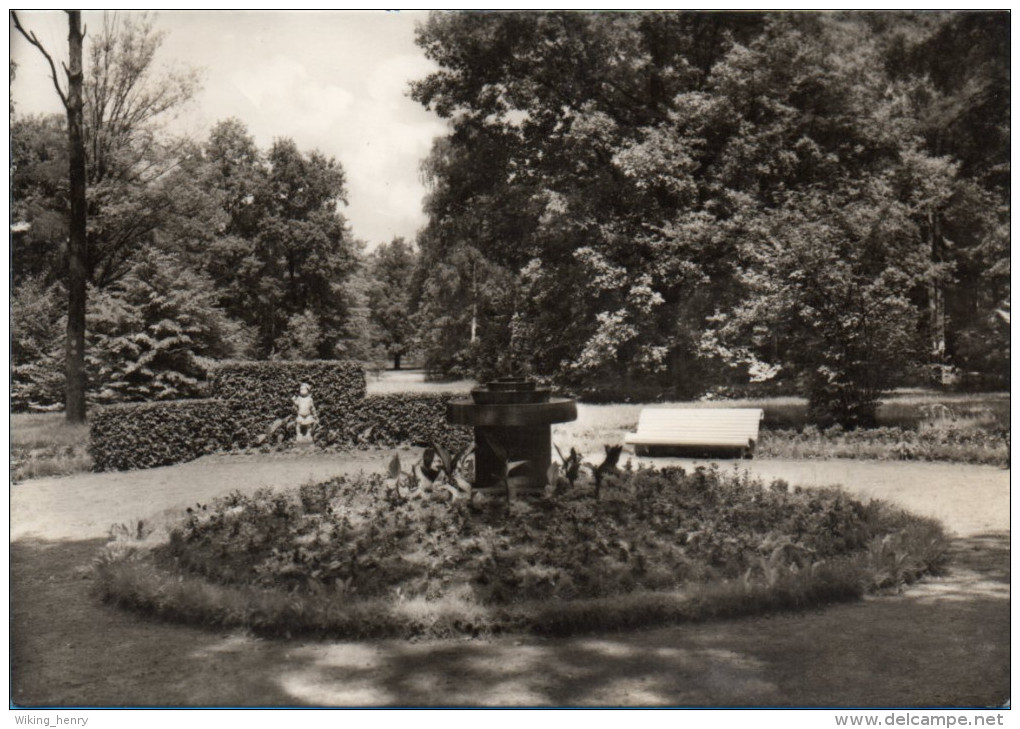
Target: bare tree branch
[(31, 38)]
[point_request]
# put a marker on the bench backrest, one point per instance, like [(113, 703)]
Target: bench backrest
[(692, 422), (685, 417)]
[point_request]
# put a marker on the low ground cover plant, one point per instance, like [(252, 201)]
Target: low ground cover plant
[(960, 442), (45, 444), (379, 556)]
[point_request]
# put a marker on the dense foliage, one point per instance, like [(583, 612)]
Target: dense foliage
[(633, 205), (37, 346), (145, 435), (154, 334), (408, 418), (236, 278), (390, 270), (649, 530), (284, 257), (701, 199), (253, 408)]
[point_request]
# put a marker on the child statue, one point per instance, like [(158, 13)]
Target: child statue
[(306, 416)]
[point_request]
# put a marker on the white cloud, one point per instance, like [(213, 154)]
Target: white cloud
[(284, 100), (390, 80)]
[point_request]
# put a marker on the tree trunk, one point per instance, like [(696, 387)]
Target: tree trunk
[(77, 258), (396, 361), (936, 296), (474, 304)]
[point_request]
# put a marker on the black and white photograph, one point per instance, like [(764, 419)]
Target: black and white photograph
[(503, 359)]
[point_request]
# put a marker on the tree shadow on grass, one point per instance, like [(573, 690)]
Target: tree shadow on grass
[(943, 642)]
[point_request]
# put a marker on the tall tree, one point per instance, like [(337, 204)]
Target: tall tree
[(285, 253), (131, 157), (954, 70), (542, 106), (390, 269), (77, 241), (132, 163)]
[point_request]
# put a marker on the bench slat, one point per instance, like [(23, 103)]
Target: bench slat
[(736, 442), (710, 427)]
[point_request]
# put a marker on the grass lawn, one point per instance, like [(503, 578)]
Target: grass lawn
[(390, 381), (959, 427), (44, 444), (900, 408)]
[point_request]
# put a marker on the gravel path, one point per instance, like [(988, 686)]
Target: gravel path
[(944, 642), (967, 499)]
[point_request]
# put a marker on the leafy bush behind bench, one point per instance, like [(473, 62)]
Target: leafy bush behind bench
[(259, 393), (145, 435)]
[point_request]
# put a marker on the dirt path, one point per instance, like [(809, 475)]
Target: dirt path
[(944, 642), (967, 499), (84, 506)]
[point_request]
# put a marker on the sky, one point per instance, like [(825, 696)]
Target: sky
[(335, 81)]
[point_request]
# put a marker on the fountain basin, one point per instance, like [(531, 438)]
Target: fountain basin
[(516, 415), (468, 412)]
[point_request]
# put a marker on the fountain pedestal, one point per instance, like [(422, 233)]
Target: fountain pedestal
[(517, 416)]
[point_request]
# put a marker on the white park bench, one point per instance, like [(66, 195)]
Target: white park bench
[(701, 429)]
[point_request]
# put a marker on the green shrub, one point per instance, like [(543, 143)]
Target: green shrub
[(37, 344), (417, 418), (961, 442), (152, 334), (354, 557), (135, 582), (260, 393), (145, 435), (253, 407), (650, 530)]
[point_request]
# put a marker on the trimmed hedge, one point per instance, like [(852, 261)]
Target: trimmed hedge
[(259, 393), (249, 397), (417, 418), (145, 435)]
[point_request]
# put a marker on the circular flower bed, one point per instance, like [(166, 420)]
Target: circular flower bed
[(367, 556)]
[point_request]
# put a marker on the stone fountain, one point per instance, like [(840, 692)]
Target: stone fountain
[(518, 416)]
